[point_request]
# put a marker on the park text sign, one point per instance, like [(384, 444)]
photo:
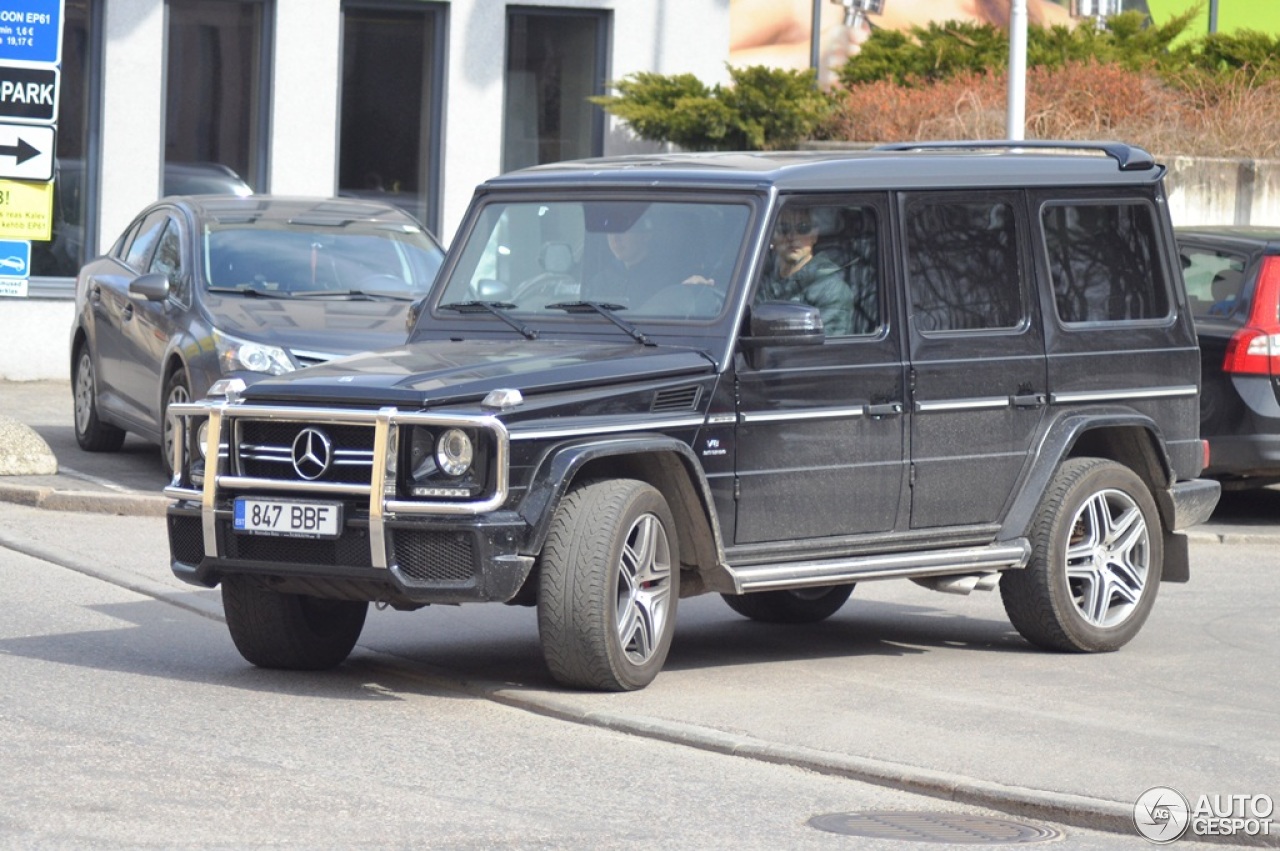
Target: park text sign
[(30, 66)]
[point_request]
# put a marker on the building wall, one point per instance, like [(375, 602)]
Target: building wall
[(666, 36)]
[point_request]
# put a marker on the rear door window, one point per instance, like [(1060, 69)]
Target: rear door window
[(963, 265)]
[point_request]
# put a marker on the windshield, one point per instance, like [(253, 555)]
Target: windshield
[(398, 262), (646, 259)]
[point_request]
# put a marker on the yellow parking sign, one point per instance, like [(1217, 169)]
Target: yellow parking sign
[(26, 210)]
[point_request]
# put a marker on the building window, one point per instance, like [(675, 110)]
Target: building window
[(392, 56), (74, 183), (216, 92), (556, 59)]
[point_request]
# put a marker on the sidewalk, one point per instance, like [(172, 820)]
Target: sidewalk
[(42, 465)]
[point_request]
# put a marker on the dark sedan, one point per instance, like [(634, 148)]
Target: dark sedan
[(210, 287), (1233, 283)]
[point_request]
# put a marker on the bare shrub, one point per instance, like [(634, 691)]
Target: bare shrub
[(1196, 114)]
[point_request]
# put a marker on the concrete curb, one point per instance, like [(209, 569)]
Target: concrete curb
[(140, 505)]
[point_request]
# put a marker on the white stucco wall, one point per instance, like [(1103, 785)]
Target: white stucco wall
[(666, 36), (307, 65), (133, 115)]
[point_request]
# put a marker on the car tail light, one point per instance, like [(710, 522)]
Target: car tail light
[(1255, 348)]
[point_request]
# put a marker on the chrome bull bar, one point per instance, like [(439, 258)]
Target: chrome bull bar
[(386, 423)]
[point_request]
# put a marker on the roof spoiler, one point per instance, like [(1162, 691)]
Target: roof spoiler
[(1130, 158)]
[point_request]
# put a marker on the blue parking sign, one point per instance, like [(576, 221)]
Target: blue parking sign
[(31, 31), (15, 258)]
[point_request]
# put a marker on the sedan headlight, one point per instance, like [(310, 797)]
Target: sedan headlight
[(444, 462), (236, 355)]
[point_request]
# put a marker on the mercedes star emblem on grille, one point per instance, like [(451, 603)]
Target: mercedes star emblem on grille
[(312, 453)]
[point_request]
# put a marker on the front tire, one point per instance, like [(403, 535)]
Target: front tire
[(1096, 561), (92, 433), (608, 586), (177, 391), (290, 631), (801, 605)]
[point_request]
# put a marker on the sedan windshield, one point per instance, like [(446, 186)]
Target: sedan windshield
[(645, 259), (352, 262)]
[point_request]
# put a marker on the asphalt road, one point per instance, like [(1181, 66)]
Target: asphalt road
[(907, 688), (130, 721)]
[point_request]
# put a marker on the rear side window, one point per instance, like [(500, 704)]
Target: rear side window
[(963, 264), (1215, 280), (1104, 262)]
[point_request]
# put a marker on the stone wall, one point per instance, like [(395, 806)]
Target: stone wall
[(1204, 191)]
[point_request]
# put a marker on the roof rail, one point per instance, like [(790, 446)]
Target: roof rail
[(1129, 157)]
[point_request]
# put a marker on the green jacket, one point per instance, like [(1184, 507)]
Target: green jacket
[(818, 283)]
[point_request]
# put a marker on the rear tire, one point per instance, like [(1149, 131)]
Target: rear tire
[(92, 434), (801, 605), (290, 631), (608, 586), (1097, 555)]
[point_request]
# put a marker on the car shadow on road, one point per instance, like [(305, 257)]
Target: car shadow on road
[(135, 467), (860, 629), (148, 640)]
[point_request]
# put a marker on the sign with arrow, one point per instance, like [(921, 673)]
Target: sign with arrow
[(26, 152)]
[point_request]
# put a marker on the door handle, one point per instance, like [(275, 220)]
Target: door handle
[(888, 409), (127, 313), (1029, 400)]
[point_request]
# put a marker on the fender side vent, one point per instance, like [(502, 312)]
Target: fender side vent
[(676, 399)]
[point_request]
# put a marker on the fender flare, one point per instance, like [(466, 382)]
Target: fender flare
[(561, 464), (1062, 435)]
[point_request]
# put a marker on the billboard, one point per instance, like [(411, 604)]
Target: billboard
[(777, 32)]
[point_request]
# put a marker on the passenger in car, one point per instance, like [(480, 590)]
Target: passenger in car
[(798, 274)]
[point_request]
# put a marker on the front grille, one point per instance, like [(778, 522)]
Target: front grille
[(434, 556), (266, 451), (351, 550), (186, 539)]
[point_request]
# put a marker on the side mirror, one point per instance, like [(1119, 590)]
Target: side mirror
[(784, 323), (152, 287), (415, 310)]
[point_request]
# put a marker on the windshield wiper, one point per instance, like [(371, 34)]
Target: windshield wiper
[(247, 291), (498, 309), (367, 295), (605, 309)]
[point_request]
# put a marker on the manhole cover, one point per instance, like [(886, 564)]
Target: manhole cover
[(945, 828)]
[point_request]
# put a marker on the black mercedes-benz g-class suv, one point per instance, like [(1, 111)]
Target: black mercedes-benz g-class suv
[(769, 376)]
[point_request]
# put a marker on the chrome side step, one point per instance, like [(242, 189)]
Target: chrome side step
[(808, 574)]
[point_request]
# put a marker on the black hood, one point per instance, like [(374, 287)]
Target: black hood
[(434, 373)]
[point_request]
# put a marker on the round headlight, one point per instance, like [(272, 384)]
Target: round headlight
[(202, 438), (454, 452)]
